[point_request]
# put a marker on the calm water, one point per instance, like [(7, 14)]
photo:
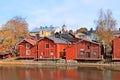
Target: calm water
[(56, 73)]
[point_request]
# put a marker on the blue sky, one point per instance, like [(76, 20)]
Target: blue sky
[(74, 13)]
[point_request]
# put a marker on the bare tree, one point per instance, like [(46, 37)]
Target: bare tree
[(105, 28)]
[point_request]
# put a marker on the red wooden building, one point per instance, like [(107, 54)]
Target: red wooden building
[(116, 49), (27, 48), (84, 50), (51, 47)]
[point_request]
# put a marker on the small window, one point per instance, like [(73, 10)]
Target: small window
[(47, 45), (40, 57), (51, 53), (27, 45), (27, 52), (42, 53), (81, 52), (95, 51), (88, 47)]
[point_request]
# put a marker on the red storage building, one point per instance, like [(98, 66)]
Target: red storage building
[(84, 50), (27, 48), (51, 47), (116, 49)]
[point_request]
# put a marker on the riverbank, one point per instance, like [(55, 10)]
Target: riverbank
[(58, 63), (51, 64)]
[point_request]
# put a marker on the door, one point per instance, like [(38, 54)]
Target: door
[(88, 54)]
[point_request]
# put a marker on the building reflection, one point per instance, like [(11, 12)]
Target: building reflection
[(64, 73), (116, 75)]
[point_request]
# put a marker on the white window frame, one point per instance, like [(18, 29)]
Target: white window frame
[(27, 45), (82, 52), (95, 51), (51, 53), (27, 52)]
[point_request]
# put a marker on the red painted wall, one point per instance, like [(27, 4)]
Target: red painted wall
[(53, 47), (72, 74), (42, 48), (116, 48), (22, 50), (60, 48), (84, 45), (73, 52)]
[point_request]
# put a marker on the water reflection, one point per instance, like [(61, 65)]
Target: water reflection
[(56, 73)]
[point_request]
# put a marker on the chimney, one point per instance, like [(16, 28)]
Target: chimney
[(57, 35), (91, 29), (37, 37)]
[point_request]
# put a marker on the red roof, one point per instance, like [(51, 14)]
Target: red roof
[(29, 40), (88, 41)]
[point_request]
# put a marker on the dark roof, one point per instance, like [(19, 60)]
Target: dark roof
[(56, 40), (89, 32), (69, 37), (33, 37)]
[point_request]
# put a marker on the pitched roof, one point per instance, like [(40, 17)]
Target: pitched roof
[(29, 40), (69, 37), (89, 32), (94, 42), (56, 40)]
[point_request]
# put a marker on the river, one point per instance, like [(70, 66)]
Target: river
[(27, 72)]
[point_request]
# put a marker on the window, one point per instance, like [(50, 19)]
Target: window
[(27, 45), (81, 52), (42, 53), (47, 45), (51, 53), (27, 52), (40, 57), (88, 47), (95, 51)]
